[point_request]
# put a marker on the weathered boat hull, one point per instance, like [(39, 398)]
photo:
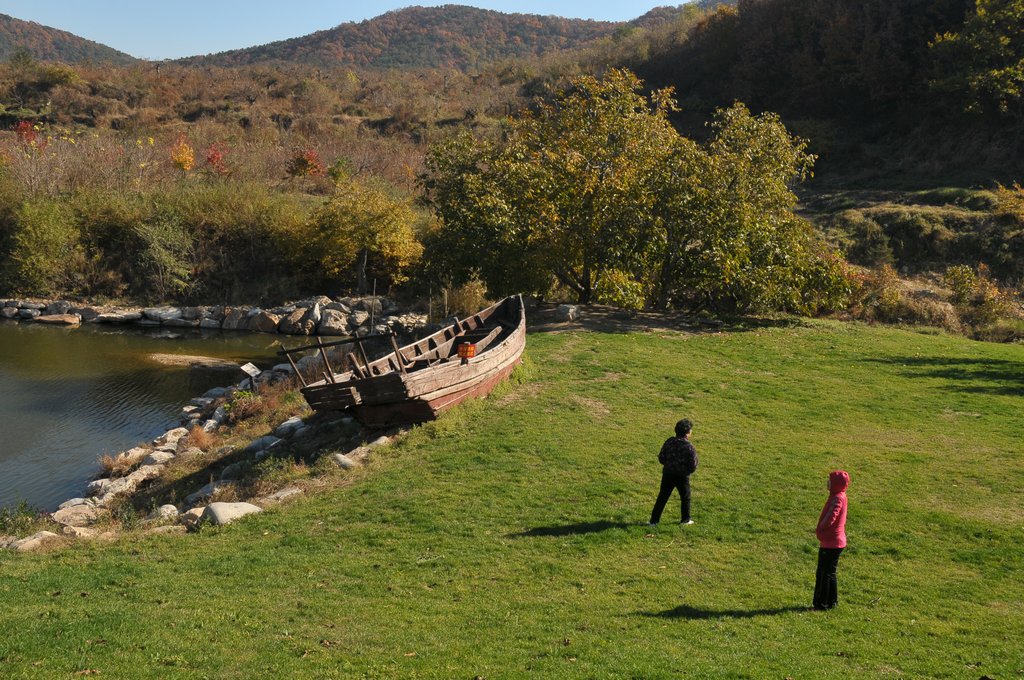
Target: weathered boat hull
[(423, 379)]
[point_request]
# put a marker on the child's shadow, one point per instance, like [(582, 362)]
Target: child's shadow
[(684, 611)]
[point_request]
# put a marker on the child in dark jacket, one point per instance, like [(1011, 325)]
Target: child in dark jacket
[(679, 461), (831, 532)]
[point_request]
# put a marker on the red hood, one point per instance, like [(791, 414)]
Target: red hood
[(838, 481)]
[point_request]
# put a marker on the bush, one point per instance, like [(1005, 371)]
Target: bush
[(960, 280), (46, 251)]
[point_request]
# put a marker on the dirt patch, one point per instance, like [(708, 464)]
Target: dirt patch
[(594, 407), (193, 361), (528, 391)]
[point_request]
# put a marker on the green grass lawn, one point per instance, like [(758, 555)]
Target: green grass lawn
[(508, 539)]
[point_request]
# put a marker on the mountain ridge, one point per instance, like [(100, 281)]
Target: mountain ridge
[(46, 43)]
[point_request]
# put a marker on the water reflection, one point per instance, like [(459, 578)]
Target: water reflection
[(69, 395)]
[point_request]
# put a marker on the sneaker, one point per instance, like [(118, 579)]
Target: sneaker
[(652, 524), (687, 522)]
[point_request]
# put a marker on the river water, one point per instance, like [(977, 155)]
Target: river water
[(67, 396)]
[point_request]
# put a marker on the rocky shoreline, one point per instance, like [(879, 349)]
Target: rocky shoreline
[(130, 471), (318, 315)]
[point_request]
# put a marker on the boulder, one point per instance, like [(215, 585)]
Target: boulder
[(210, 425), (338, 307), (38, 306), (158, 457), (202, 494), (190, 452), (303, 321), (264, 443), (28, 313), (233, 472), (567, 313), (78, 515), (371, 304), (34, 542), (284, 310), (86, 313), (171, 436), (211, 324), (165, 512), (79, 532), (191, 517), (344, 462), (333, 322), (284, 494), (379, 441), (288, 427), (220, 415), (75, 501), (226, 513), (264, 322), (358, 318), (57, 308), (7, 541), (59, 319), (132, 456), (9, 312), (216, 392), (235, 318), (161, 314), (119, 317)]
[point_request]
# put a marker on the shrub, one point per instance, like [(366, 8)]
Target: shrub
[(46, 249), (960, 280)]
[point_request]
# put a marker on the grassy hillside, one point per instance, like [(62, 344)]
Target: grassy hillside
[(506, 540)]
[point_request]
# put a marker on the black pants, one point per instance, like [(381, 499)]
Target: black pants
[(826, 593), (669, 481)]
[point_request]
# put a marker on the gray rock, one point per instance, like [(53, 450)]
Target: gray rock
[(284, 494), (379, 441), (362, 331), (34, 542), (262, 444), (283, 311), (70, 503), (161, 314), (216, 392), (38, 306), (87, 314), (203, 494), (344, 462), (9, 312), (226, 513), (119, 317), (165, 512), (132, 456), (191, 517), (190, 452), (158, 458), (303, 432), (58, 307), (303, 321), (371, 304), (220, 415), (358, 318), (235, 318), (264, 322), (333, 322), (233, 472), (201, 402), (171, 436), (28, 313), (282, 368), (148, 323), (210, 425), (288, 427), (79, 532), (567, 313), (381, 329), (210, 323), (338, 307), (78, 516)]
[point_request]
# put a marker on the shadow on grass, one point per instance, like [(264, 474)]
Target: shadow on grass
[(571, 529), (606, 319), (978, 376), (684, 611)]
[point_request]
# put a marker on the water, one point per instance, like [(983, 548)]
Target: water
[(67, 396)]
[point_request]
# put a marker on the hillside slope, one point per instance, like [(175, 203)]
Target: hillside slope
[(424, 37), (52, 44)]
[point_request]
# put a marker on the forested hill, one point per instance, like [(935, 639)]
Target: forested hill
[(51, 44), (916, 85), (426, 37)]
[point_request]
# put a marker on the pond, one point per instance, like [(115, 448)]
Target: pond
[(68, 396)]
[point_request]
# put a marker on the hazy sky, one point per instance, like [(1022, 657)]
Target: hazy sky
[(161, 30)]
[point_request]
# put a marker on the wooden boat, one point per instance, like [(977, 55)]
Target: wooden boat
[(417, 382)]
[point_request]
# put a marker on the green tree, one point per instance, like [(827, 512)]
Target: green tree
[(984, 61), (569, 190)]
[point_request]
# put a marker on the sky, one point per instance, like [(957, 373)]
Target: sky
[(181, 28)]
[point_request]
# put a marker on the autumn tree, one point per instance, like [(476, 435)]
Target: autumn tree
[(363, 232)]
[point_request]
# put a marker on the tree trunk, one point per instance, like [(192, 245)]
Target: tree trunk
[(361, 273)]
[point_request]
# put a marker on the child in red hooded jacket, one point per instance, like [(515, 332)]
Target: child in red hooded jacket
[(831, 531)]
